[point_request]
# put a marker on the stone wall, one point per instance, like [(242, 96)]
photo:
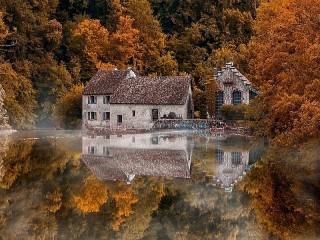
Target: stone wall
[(142, 118), (237, 82)]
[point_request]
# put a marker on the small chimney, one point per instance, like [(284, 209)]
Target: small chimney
[(229, 64), (130, 73)]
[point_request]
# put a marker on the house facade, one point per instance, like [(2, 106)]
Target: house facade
[(119, 98), (233, 87)]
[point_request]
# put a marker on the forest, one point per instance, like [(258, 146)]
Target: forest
[(50, 49)]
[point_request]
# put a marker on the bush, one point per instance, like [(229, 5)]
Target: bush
[(234, 112), (68, 109)]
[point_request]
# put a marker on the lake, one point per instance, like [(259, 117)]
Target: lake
[(161, 185)]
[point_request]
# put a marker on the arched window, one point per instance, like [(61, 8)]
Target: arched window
[(236, 158), (219, 154), (236, 98), (219, 103)]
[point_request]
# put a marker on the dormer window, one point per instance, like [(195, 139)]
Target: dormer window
[(106, 100), (92, 100)]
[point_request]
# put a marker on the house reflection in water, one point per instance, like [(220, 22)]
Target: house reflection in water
[(123, 157), (231, 165)]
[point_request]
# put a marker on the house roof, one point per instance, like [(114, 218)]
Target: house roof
[(105, 82), (124, 162), (153, 90), (224, 76)]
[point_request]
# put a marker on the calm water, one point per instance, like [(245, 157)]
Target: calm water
[(168, 185)]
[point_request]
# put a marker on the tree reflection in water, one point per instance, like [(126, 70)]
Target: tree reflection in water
[(285, 190), (48, 192)]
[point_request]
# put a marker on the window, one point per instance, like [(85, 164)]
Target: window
[(219, 103), (92, 150), (92, 100), (155, 114), (236, 98), (236, 158), (219, 156), (106, 100), (119, 119), (106, 116), (106, 151), (133, 113), (92, 115)]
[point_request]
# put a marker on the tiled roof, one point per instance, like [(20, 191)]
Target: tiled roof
[(104, 82), (138, 162), (152, 90)]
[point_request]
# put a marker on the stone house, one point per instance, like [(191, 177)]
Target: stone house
[(119, 98), (122, 157), (233, 87)]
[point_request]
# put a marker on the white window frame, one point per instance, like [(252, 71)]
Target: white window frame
[(92, 116), (92, 150), (92, 99)]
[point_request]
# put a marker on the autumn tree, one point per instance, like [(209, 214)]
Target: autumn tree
[(124, 44), (211, 93), (153, 57), (285, 65), (95, 39), (3, 112), (19, 99)]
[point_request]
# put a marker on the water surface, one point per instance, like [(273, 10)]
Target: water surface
[(166, 185)]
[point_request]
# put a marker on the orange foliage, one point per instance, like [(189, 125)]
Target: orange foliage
[(123, 200), (286, 65), (93, 195), (95, 38), (123, 43)]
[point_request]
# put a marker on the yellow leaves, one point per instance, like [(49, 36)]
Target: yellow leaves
[(54, 30), (211, 93), (119, 51), (124, 43), (95, 37), (54, 200), (285, 64), (93, 195), (19, 98), (124, 200), (3, 28)]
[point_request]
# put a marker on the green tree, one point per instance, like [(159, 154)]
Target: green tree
[(68, 109), (51, 81)]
